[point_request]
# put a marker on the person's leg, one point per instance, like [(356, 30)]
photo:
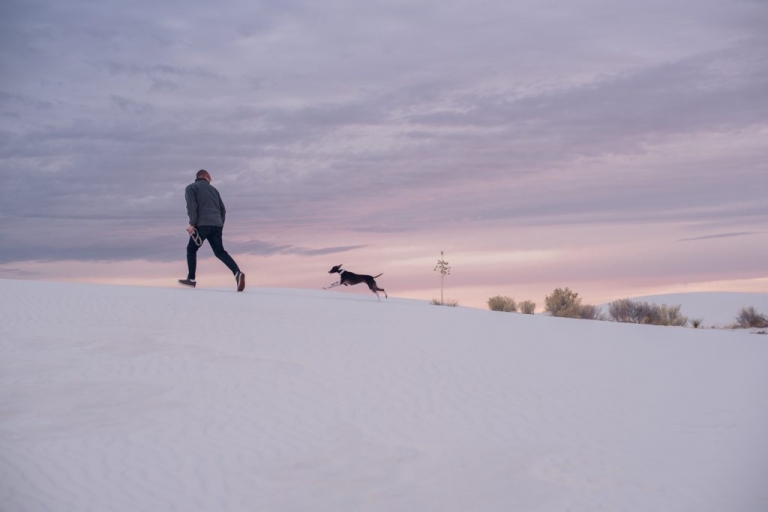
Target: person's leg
[(214, 238), (192, 248)]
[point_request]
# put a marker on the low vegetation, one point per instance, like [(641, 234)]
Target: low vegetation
[(527, 307), (749, 317), (567, 303), (452, 303), (508, 305), (499, 303), (636, 312), (564, 302)]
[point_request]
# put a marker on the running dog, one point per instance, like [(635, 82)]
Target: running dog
[(348, 278)]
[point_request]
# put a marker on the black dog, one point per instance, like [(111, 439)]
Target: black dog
[(347, 278)]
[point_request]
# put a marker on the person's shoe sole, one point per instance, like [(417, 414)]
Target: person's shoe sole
[(240, 282), (186, 282)]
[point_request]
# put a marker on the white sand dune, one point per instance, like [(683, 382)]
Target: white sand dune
[(145, 399)]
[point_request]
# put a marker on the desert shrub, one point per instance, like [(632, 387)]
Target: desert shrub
[(647, 313), (567, 303), (622, 311), (670, 315), (499, 303), (749, 317), (634, 312), (590, 312), (527, 307), (452, 303), (564, 303), (697, 322)]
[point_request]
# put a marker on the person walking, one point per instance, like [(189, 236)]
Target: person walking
[(206, 222)]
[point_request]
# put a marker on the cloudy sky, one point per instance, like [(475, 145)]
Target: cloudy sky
[(618, 148)]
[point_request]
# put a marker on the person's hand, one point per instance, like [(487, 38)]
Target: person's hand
[(191, 229)]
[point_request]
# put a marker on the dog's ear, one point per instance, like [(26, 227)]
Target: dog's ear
[(339, 266)]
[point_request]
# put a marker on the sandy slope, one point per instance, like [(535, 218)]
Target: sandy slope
[(145, 399)]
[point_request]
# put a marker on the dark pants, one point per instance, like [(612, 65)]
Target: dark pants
[(213, 235)]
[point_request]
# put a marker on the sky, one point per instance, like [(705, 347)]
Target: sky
[(616, 148)]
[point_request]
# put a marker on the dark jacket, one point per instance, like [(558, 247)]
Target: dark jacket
[(204, 204)]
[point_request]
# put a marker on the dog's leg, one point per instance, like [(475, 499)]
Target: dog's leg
[(337, 283), (372, 286), (375, 288)]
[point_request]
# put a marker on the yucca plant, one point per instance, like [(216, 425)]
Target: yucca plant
[(444, 269), (452, 303)]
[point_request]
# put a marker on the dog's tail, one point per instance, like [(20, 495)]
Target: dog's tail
[(379, 275)]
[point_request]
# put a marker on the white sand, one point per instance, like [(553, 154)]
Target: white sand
[(145, 399)]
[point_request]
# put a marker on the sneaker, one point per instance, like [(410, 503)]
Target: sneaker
[(240, 279), (187, 282)]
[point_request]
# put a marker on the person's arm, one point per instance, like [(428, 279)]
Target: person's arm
[(223, 210), (189, 195)]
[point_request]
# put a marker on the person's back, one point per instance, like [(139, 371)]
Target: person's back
[(204, 204)]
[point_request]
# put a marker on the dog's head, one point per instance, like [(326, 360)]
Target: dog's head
[(335, 269)]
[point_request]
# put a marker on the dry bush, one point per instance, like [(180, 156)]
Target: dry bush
[(670, 315), (499, 303), (527, 307), (633, 312), (749, 317), (647, 313), (566, 303), (629, 311), (621, 310), (590, 312), (563, 303), (697, 322)]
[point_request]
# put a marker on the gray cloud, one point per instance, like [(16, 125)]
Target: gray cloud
[(152, 249), (536, 112), (88, 239), (719, 235), (17, 273)]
